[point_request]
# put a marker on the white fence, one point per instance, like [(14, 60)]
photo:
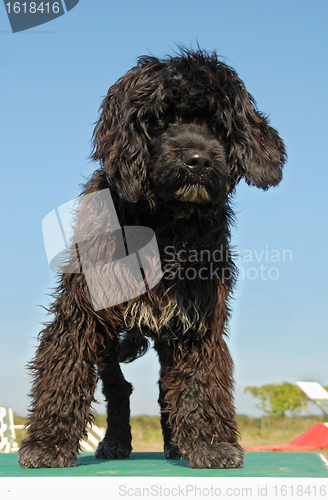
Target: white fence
[(94, 436), (7, 430)]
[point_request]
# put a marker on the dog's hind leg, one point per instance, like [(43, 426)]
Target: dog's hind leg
[(171, 450), (117, 391)]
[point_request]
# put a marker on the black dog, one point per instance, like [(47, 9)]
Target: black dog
[(173, 139)]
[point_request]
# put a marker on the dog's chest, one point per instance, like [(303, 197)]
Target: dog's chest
[(186, 297)]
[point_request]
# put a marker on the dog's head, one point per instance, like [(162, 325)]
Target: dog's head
[(188, 163), (184, 128)]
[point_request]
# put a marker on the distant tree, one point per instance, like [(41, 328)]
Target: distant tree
[(277, 399)]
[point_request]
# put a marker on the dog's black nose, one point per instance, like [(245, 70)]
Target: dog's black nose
[(197, 161)]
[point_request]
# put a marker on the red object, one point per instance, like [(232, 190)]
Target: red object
[(313, 439)]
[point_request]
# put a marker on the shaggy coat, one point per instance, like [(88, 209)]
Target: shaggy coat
[(173, 139)]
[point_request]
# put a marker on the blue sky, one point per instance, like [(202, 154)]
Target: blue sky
[(53, 78)]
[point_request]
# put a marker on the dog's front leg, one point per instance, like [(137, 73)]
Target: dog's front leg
[(64, 383), (198, 389)]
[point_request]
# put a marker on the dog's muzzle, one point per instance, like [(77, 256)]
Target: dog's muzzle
[(198, 162)]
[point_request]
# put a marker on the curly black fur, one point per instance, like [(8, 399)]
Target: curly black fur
[(173, 139)]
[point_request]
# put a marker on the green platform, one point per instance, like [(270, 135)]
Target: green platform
[(305, 465)]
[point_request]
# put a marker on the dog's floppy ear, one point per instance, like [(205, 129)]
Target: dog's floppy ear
[(256, 149), (121, 135)]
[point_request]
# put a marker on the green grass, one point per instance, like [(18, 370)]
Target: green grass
[(147, 434), (273, 430)]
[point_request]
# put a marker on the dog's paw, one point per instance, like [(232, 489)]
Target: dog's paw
[(216, 456), (36, 455), (172, 451), (110, 449)]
